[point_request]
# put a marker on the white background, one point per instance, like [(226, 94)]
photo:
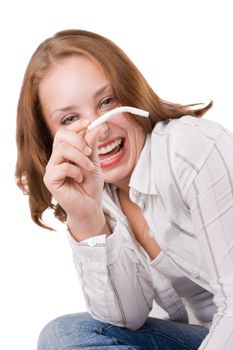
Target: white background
[(183, 48)]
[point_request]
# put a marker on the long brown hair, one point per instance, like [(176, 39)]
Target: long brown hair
[(34, 140)]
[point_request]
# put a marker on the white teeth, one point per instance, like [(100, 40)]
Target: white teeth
[(112, 157), (110, 147)]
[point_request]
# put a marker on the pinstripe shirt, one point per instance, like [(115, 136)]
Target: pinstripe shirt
[(183, 183)]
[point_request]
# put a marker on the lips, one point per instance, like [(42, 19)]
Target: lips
[(111, 152), (110, 147)]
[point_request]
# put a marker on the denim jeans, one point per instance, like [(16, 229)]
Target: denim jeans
[(81, 331)]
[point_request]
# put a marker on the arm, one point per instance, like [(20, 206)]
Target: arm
[(115, 283), (116, 286), (210, 199)]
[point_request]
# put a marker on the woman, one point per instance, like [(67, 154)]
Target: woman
[(148, 202)]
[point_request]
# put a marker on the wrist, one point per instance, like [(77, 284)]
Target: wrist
[(87, 228)]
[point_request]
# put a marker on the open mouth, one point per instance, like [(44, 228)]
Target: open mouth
[(112, 151)]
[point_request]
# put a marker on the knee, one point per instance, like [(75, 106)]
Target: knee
[(63, 333), (50, 335), (56, 334)]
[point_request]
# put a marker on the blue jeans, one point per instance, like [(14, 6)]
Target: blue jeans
[(81, 331)]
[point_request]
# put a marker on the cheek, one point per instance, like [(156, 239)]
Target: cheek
[(118, 120), (134, 132), (124, 122)]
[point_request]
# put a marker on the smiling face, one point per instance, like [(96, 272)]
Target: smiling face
[(75, 88)]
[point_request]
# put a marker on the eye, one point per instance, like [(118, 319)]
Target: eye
[(108, 102), (69, 119)]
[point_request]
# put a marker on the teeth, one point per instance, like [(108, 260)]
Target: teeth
[(110, 147), (112, 157)]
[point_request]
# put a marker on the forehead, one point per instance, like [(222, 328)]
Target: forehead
[(79, 64), (75, 72)]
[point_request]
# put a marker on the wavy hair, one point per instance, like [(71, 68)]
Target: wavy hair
[(33, 137)]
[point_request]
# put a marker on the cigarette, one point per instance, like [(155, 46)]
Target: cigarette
[(117, 110)]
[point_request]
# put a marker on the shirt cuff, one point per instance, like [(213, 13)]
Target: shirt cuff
[(96, 248), (93, 241)]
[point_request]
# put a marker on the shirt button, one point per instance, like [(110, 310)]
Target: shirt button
[(92, 242), (142, 205), (135, 193), (195, 272)]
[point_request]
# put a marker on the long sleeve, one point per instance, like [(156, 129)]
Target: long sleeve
[(116, 286), (210, 198)]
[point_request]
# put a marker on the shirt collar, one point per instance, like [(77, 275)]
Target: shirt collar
[(143, 177)]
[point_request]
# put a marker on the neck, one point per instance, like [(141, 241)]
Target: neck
[(123, 187)]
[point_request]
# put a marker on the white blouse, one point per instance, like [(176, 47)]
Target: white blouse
[(183, 183), (198, 300)]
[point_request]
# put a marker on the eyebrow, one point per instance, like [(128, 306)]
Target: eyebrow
[(101, 90), (71, 107)]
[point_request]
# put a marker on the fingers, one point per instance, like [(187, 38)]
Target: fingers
[(74, 136), (74, 145), (79, 125), (91, 137), (77, 135), (72, 169), (61, 172), (66, 153)]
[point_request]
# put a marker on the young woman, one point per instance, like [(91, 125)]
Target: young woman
[(148, 202)]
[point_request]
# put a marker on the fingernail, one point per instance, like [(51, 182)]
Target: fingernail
[(87, 151)]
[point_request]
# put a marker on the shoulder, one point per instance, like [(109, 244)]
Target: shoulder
[(188, 125), (185, 143)]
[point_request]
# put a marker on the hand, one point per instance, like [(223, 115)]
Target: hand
[(74, 177)]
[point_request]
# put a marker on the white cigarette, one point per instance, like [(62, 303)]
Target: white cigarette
[(117, 110)]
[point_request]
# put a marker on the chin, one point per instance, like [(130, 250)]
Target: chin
[(117, 176)]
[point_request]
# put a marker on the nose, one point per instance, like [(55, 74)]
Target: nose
[(104, 128), (104, 131)]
